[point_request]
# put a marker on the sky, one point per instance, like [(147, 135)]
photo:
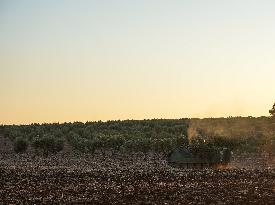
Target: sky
[(80, 60)]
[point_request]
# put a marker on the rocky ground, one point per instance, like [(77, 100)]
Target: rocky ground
[(98, 179), (68, 178)]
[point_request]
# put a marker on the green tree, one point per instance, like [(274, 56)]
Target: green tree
[(272, 111), (48, 144), (20, 145)]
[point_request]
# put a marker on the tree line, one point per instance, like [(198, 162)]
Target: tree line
[(163, 135)]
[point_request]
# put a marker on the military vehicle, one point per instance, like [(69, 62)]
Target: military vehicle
[(185, 157)]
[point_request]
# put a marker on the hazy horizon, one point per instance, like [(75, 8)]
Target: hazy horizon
[(84, 60)]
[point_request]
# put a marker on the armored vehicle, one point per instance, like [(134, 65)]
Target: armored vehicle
[(185, 157)]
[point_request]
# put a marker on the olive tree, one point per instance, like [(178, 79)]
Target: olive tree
[(272, 111)]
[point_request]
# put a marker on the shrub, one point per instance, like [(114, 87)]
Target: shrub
[(20, 145), (48, 144), (82, 144)]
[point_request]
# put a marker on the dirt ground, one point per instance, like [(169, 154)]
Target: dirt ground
[(98, 179)]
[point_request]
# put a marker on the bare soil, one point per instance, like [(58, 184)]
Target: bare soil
[(122, 179)]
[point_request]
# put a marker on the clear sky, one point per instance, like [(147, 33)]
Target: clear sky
[(104, 60)]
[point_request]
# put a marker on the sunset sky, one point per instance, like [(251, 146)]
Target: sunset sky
[(137, 59)]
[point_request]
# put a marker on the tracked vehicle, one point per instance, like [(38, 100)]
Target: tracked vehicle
[(185, 157)]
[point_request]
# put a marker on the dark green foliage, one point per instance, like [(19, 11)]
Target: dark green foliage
[(48, 144), (82, 144), (128, 135), (272, 111), (244, 134), (20, 145)]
